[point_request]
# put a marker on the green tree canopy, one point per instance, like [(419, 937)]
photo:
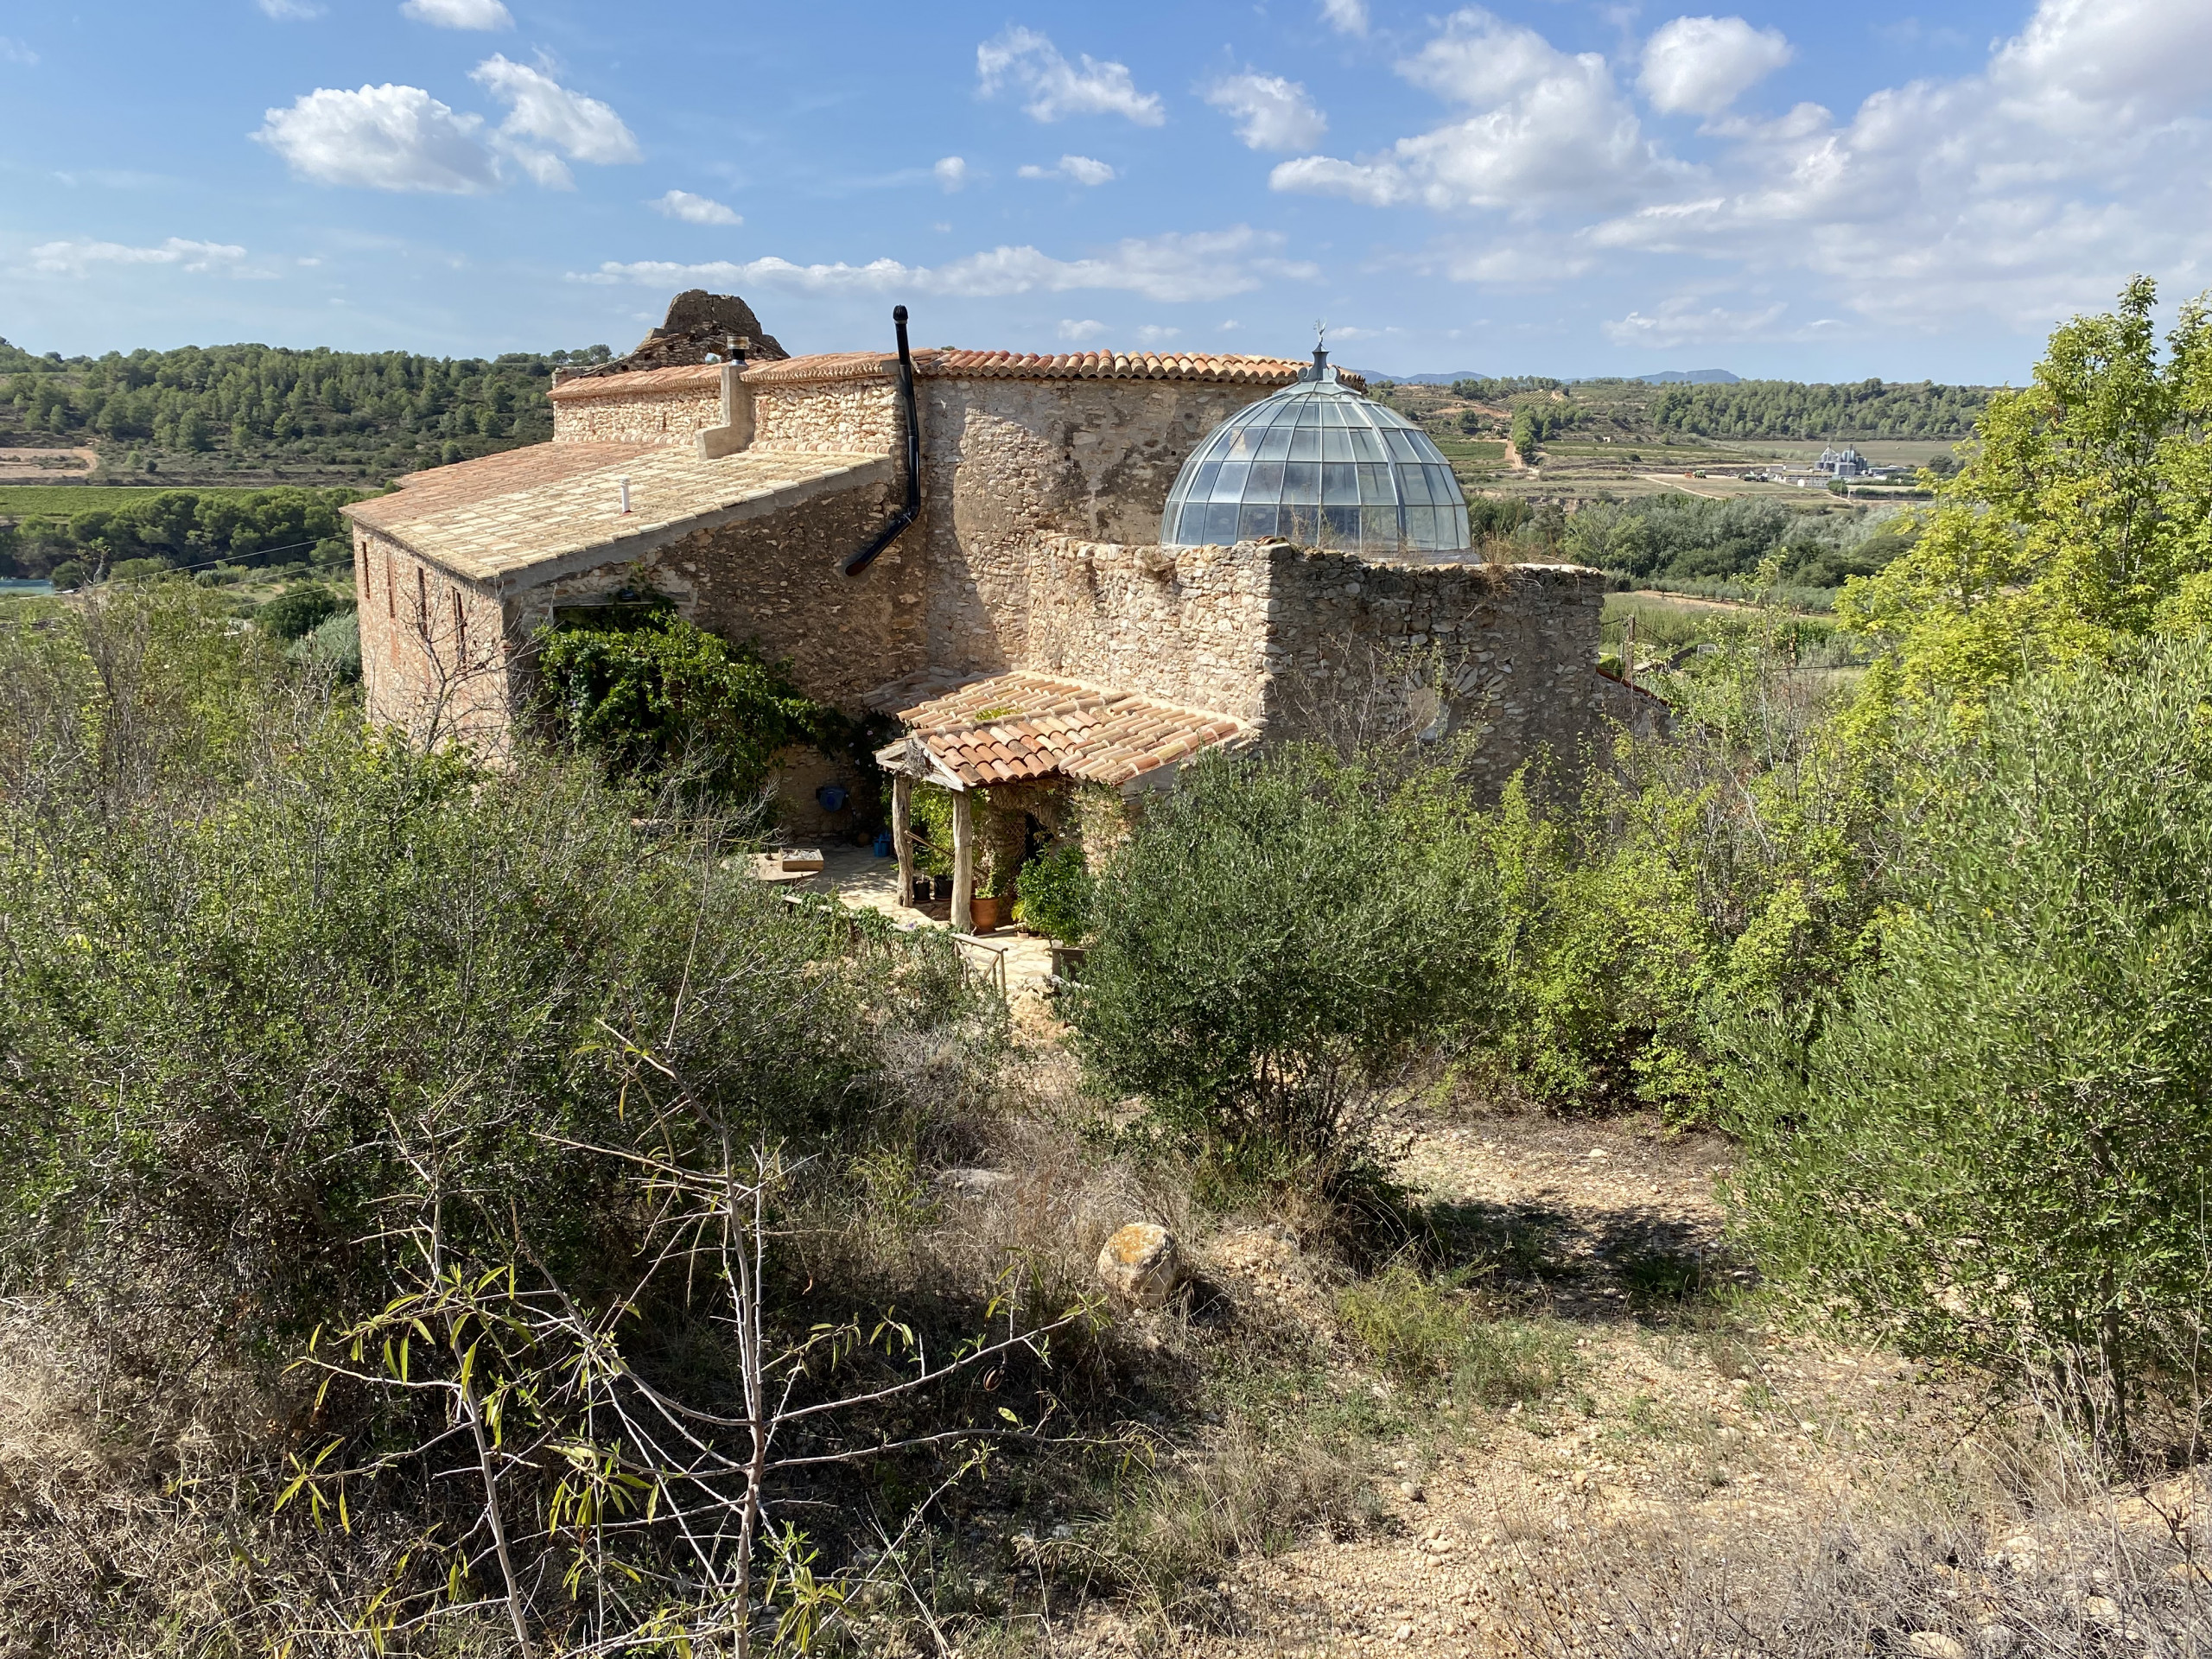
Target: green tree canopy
[(2083, 519)]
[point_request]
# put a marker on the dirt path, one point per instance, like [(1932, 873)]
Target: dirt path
[(22, 465), (1675, 1423)]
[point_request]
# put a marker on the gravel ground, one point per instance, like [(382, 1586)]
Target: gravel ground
[(1680, 1423)]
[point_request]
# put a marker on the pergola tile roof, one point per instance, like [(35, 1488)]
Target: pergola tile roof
[(531, 510), (1006, 727)]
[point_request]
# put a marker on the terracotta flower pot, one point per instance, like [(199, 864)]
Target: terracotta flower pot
[(989, 913)]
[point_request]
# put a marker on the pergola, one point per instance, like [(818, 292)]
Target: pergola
[(1021, 727)]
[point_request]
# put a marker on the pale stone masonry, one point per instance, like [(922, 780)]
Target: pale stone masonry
[(737, 492)]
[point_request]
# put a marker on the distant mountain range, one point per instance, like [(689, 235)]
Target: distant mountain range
[(1665, 377)]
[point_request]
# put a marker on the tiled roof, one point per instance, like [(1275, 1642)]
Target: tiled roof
[(1004, 727), (689, 376), (1116, 366), (823, 365), (421, 494), (947, 362), (534, 511)]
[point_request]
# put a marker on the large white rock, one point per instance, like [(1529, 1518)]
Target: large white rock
[(1139, 1265)]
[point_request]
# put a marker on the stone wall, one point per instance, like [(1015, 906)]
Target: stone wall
[(848, 416), (1005, 461), (776, 581), (651, 406), (434, 658), (1333, 645), (1503, 653), (1186, 624)]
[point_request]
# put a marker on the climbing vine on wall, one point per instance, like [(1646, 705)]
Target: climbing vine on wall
[(665, 695)]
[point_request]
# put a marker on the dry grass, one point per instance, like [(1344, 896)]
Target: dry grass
[(136, 1517)]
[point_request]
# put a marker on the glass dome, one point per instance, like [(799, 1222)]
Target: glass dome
[(1317, 464)]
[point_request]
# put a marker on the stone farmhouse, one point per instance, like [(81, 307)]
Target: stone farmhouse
[(971, 543)]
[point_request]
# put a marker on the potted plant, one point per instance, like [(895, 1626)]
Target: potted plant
[(1056, 888), (990, 906)]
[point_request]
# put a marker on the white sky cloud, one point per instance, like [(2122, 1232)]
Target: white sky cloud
[(1699, 65), (401, 139), (15, 51), (1079, 169), (1057, 88), (1201, 265), (2023, 193), (695, 210), (540, 108), (290, 11), (1346, 16), (951, 172), (2011, 196), (1271, 113), (383, 137), (75, 258), (1680, 322), (1077, 330), (1154, 333), (1545, 129), (460, 14)]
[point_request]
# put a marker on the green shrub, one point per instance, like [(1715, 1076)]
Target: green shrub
[(2000, 1150), (335, 646), (1730, 868), (665, 694), (1425, 1333), (1274, 938), (1056, 888), (297, 612), (257, 965)]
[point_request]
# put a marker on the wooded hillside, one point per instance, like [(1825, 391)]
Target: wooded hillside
[(207, 412)]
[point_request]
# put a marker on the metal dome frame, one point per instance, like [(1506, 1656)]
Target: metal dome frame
[(1317, 464)]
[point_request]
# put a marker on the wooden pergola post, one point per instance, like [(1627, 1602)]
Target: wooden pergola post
[(963, 863), (902, 834)]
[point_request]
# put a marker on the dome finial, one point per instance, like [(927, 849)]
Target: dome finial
[(1321, 369)]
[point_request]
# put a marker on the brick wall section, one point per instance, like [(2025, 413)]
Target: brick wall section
[(434, 657), (1005, 461), (1315, 643)]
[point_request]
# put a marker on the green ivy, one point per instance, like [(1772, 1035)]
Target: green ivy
[(669, 694)]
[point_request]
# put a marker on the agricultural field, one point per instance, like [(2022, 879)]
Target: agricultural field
[(39, 500)]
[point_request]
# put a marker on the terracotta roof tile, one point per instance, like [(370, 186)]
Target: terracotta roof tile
[(1006, 726), (689, 377), (947, 362)]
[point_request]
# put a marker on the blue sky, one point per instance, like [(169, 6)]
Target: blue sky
[(1538, 186)]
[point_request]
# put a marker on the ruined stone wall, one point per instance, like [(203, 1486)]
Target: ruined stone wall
[(776, 581), (1006, 461), (1512, 649), (848, 416), (1184, 624), (1333, 645), (656, 406), (435, 655)]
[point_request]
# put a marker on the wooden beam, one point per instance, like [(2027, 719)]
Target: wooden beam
[(963, 863), (902, 834)]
